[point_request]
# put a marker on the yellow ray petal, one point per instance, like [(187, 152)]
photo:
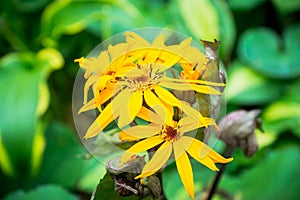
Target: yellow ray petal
[(134, 40), (148, 115), (193, 147), (90, 81), (121, 106), (190, 111), (154, 103), (88, 106), (189, 123), (168, 79), (159, 41), (141, 132), (166, 96), (116, 50), (105, 118), (190, 87), (103, 96), (152, 56), (141, 146), (184, 168), (103, 81), (135, 103), (157, 161), (124, 136)]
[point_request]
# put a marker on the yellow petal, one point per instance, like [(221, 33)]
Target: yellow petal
[(103, 81), (154, 103), (159, 41), (105, 118), (148, 115), (120, 107), (103, 96), (168, 79), (90, 81), (88, 106), (157, 161), (193, 147), (79, 60), (166, 96), (190, 111), (141, 146), (141, 132), (184, 168), (124, 136), (135, 103), (135, 40), (117, 50), (190, 87), (189, 123), (152, 56)]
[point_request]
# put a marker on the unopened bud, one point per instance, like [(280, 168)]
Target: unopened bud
[(238, 130)]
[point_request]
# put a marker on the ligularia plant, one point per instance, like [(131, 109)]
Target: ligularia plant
[(150, 91)]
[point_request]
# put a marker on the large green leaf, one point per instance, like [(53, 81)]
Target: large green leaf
[(209, 20), (275, 177), (42, 192), (23, 99), (246, 87), (265, 52)]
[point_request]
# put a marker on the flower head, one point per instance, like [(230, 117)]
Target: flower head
[(129, 75), (172, 139)]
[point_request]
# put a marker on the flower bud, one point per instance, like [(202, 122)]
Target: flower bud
[(238, 130)]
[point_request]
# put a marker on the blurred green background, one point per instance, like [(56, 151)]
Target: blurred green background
[(40, 153)]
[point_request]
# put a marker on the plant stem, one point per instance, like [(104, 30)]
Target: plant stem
[(228, 153)]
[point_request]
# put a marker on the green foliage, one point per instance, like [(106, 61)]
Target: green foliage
[(43, 192), (269, 55), (40, 154)]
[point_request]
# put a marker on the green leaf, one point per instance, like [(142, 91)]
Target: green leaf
[(273, 178), (282, 116), (209, 20), (106, 190), (43, 192), (244, 5), (287, 7), (266, 53), (24, 98), (65, 167), (18, 100), (246, 87), (68, 17), (72, 17)]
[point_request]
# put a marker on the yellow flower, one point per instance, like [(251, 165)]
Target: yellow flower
[(172, 138), (134, 73)]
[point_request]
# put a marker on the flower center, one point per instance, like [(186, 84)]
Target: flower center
[(170, 133), (142, 77)]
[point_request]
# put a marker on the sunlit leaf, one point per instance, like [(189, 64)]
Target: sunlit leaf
[(282, 116), (209, 20), (246, 87)]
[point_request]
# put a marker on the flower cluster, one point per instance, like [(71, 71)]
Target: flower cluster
[(139, 79)]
